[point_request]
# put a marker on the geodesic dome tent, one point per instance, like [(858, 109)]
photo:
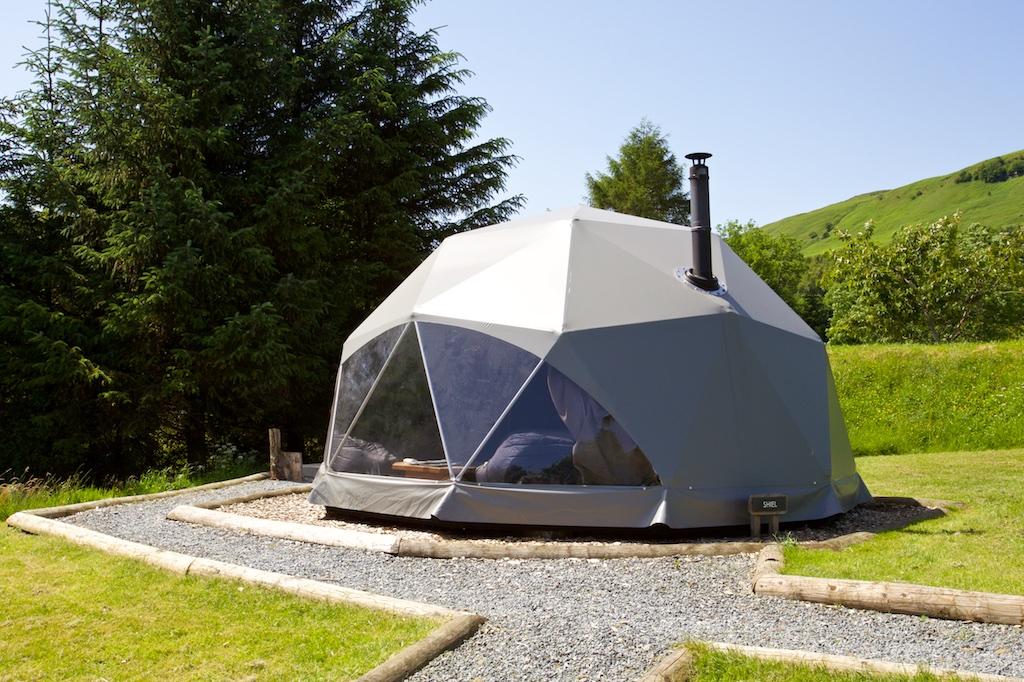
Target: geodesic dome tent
[(557, 371)]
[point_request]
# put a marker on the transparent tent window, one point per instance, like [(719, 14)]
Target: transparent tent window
[(440, 402)]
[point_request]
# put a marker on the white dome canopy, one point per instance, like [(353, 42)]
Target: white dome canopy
[(568, 270), (715, 396)]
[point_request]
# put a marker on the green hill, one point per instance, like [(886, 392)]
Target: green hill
[(995, 204)]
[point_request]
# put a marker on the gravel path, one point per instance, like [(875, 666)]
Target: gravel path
[(579, 619)]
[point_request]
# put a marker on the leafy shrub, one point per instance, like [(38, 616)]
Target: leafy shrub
[(1016, 167), (932, 283), (993, 171)]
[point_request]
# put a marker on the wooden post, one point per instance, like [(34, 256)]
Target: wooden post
[(291, 466), (275, 453), (284, 466)]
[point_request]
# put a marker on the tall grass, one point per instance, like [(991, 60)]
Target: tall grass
[(35, 492), (904, 398)]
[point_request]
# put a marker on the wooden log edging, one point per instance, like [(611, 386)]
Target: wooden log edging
[(889, 597), (674, 667), (454, 628), (69, 509), (677, 666), (853, 664), (252, 497), (458, 549), (184, 564), (444, 637), (286, 530)]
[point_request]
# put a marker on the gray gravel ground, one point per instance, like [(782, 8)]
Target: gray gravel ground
[(577, 619)]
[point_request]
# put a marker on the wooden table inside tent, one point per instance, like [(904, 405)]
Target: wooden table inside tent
[(433, 472)]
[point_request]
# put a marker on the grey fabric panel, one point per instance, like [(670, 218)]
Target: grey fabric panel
[(754, 296), (576, 506), (773, 450), (414, 498), (642, 375), (728, 506), (797, 368), (851, 490), (636, 508), (587, 506), (699, 406)]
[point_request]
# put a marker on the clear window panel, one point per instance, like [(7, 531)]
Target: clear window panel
[(357, 376), (557, 434), (396, 432), (474, 377)]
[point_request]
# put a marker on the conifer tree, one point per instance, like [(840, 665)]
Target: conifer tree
[(241, 184), (644, 180), (53, 385)]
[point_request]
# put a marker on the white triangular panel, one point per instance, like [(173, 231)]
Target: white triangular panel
[(755, 298), (394, 310), (608, 287), (524, 289), (463, 255)]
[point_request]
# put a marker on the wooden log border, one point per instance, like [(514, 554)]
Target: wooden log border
[(890, 597), (677, 666), (454, 628), (209, 514), (69, 509)]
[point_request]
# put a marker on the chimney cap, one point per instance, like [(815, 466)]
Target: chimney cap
[(698, 157)]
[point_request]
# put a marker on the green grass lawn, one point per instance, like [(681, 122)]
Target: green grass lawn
[(980, 547), (34, 493), (904, 398), (71, 613), (710, 665)]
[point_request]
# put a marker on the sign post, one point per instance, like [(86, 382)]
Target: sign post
[(771, 506)]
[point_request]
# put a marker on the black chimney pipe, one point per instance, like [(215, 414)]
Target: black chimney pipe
[(700, 221)]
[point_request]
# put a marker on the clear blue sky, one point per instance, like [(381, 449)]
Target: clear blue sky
[(802, 103)]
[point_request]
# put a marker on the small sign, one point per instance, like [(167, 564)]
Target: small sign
[(763, 505)]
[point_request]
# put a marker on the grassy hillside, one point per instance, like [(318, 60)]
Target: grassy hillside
[(921, 398), (994, 204)]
